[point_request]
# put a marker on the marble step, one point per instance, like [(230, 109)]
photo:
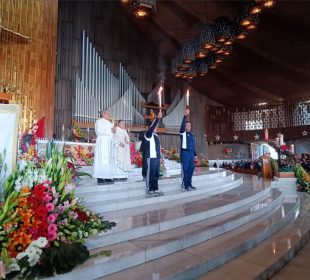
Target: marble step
[(141, 250), (199, 259), (173, 216), (271, 255), (138, 190), (141, 200), (90, 185)]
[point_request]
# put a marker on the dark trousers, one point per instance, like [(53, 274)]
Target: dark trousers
[(152, 174), (188, 167), (144, 165)]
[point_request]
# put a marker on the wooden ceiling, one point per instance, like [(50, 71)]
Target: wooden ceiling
[(272, 64)]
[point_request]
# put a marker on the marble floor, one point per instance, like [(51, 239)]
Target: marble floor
[(297, 268)]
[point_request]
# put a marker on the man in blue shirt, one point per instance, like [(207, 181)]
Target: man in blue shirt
[(152, 155), (188, 153)]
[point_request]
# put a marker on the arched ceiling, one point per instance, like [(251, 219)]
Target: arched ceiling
[(272, 64)]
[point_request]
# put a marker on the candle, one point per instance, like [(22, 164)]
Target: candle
[(292, 148), (187, 98), (159, 96), (281, 142), (266, 134), (63, 127), (277, 141)]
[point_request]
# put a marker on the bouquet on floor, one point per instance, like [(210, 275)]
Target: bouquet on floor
[(43, 225), (135, 156), (201, 161), (303, 178)]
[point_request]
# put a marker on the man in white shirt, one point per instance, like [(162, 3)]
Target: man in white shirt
[(152, 154), (103, 161)]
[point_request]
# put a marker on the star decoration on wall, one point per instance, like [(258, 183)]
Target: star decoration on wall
[(304, 133), (236, 137), (217, 138), (256, 137)]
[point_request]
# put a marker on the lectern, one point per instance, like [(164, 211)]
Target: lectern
[(266, 167)]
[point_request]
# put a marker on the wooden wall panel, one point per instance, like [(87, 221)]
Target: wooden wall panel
[(27, 66), (116, 39)]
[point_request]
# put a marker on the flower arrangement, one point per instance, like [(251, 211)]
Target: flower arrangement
[(170, 154), (135, 156), (42, 222), (162, 168), (201, 161), (77, 133), (227, 151), (303, 178), (80, 155), (3, 170)]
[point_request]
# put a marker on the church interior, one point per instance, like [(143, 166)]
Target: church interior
[(154, 139)]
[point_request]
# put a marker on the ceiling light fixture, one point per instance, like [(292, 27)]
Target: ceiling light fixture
[(143, 8)]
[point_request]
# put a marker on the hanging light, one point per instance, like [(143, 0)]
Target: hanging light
[(207, 37), (191, 72), (127, 2), (244, 17), (211, 61), (188, 52), (254, 7), (239, 32), (179, 65), (254, 22), (143, 8), (202, 68), (227, 50), (200, 52), (266, 4), (269, 4), (223, 27)]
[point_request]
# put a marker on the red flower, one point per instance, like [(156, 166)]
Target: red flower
[(41, 211), (39, 189), (34, 203), (70, 166), (82, 216)]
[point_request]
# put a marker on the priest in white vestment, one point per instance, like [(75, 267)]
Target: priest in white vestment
[(122, 164), (103, 161)]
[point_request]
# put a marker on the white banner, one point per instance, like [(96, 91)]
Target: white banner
[(9, 121)]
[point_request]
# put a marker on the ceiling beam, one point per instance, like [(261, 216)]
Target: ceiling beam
[(272, 58), (248, 86), (188, 18)]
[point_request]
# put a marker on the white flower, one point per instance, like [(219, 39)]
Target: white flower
[(21, 255), (13, 266), (22, 164), (18, 188), (31, 251), (33, 260), (69, 187), (41, 242)]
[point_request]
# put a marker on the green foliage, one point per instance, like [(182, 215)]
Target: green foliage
[(3, 170), (274, 166), (62, 259), (303, 178)]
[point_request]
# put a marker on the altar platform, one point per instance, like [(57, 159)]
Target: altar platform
[(191, 234)]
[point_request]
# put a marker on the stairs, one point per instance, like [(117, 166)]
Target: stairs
[(181, 235)]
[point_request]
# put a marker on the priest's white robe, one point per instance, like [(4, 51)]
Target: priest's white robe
[(122, 154), (103, 161)]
